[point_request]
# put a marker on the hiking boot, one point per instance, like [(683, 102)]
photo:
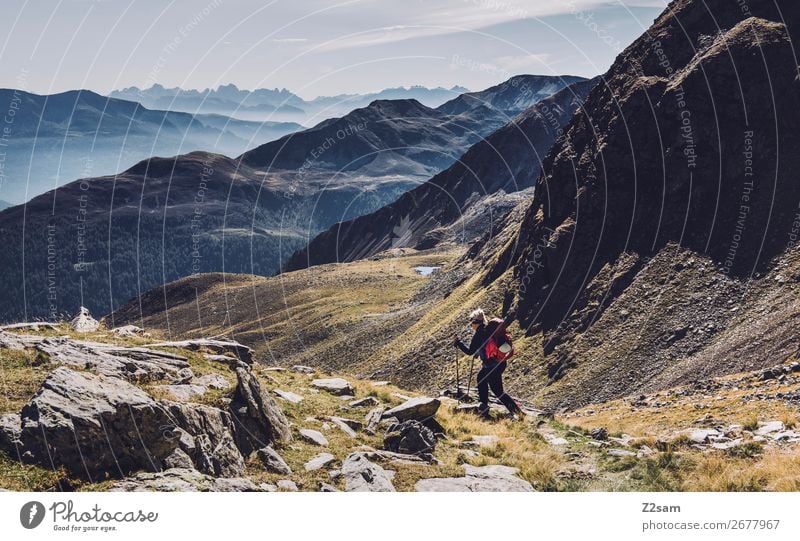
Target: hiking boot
[(484, 414)]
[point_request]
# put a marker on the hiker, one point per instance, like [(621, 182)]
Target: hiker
[(490, 376)]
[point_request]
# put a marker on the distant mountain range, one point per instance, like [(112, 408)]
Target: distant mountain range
[(58, 138), (508, 160), (104, 240), (4, 204), (275, 104)]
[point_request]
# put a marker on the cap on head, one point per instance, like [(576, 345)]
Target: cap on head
[(477, 316)]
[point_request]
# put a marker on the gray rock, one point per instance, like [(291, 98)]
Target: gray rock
[(724, 446), (701, 435), (303, 369), (184, 375), (18, 341), (181, 480), (83, 322), (10, 430), (272, 461), (361, 475), (416, 409), (786, 435), (320, 461), (183, 393), (337, 386), (139, 365), (180, 460), (314, 437), (325, 487), (410, 437), (207, 435), (218, 347), (288, 396), (599, 434), (287, 485), (478, 479), (128, 330), (260, 420), (214, 381), (769, 428), (76, 415), (373, 419), (344, 425), (364, 402), (268, 487)]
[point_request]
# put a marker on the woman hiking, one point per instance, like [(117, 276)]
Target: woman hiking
[(490, 376)]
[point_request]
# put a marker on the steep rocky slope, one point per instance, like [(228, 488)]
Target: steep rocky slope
[(512, 96), (508, 160), (661, 243)]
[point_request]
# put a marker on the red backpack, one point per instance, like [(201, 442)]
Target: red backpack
[(499, 346)]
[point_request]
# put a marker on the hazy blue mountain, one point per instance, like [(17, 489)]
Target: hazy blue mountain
[(58, 138), (275, 104)]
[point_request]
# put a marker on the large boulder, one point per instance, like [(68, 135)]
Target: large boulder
[(416, 409), (259, 419), (98, 427), (410, 437), (94, 426), (494, 478), (362, 475), (181, 480), (337, 386)]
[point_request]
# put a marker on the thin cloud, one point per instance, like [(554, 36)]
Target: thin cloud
[(464, 16)]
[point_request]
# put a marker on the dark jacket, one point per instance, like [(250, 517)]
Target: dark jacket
[(477, 346)]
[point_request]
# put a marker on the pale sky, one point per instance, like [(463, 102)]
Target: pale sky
[(311, 47)]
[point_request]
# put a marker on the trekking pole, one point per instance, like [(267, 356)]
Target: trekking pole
[(469, 382), (458, 380)]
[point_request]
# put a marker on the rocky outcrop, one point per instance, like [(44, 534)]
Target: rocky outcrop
[(135, 364), (97, 426), (478, 479), (259, 419), (94, 426), (207, 436), (657, 244)]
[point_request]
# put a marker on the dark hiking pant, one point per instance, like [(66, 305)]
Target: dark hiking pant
[(490, 376)]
